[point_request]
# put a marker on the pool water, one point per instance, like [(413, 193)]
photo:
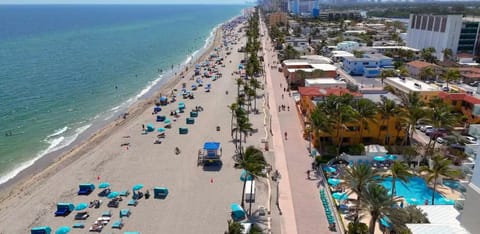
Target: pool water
[(416, 191), (454, 184)]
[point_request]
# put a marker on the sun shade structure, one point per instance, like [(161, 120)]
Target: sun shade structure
[(41, 230), (137, 187), (333, 181), (243, 176), (104, 185), (237, 211), (62, 230), (81, 206), (329, 169), (340, 196), (86, 189), (113, 195)]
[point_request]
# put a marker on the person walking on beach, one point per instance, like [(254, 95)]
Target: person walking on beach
[(308, 174), (143, 127), (282, 95), (286, 136)]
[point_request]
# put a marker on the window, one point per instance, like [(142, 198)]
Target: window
[(353, 128), (383, 128)]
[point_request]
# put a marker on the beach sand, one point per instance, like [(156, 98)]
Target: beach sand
[(199, 200)]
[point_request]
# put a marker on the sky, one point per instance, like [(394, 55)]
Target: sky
[(122, 1)]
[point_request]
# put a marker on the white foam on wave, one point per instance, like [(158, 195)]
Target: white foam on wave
[(55, 143)]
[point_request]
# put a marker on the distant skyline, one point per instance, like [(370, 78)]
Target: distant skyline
[(122, 2)]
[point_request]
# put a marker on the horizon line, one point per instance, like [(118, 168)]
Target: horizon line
[(118, 3)]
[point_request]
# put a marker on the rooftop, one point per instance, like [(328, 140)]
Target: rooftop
[(396, 47), (330, 81), (420, 64), (410, 85), (459, 97), (317, 58), (323, 67), (323, 92), (443, 220), (341, 53)]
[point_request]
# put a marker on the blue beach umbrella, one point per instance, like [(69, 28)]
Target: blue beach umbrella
[(104, 185), (379, 158), (81, 206), (244, 176), (330, 169), (63, 230), (137, 187), (333, 181), (161, 130), (167, 121), (340, 196), (113, 195)]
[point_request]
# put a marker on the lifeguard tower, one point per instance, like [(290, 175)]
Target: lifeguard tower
[(210, 154)]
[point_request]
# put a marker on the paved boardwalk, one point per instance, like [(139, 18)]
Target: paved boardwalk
[(301, 206)]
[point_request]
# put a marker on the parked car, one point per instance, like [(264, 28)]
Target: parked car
[(471, 139), (429, 131), (425, 127), (474, 83), (440, 140), (445, 89)]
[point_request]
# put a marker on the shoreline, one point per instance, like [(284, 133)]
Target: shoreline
[(54, 161)]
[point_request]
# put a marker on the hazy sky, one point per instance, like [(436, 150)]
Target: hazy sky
[(122, 1)]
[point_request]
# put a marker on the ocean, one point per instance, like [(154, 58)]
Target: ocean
[(65, 67)]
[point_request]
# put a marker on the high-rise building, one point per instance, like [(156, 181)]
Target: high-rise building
[(439, 32), (302, 7), (461, 35)]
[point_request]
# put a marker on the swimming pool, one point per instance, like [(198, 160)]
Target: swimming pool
[(416, 191), (454, 184)]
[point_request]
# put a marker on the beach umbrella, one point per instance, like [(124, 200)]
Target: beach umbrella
[(340, 196), (104, 185), (333, 181), (379, 158), (392, 157), (244, 176), (329, 169), (161, 130), (63, 230), (385, 221), (113, 195), (167, 121), (81, 206), (137, 187)]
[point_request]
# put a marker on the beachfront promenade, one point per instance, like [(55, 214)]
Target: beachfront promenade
[(299, 197)]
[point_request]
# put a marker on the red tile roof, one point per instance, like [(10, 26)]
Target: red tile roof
[(420, 64), (459, 97), (322, 92)]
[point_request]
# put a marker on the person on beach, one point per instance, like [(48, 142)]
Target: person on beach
[(308, 174), (143, 127), (282, 95), (288, 108), (286, 136)]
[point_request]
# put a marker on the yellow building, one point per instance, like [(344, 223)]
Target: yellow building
[(277, 18), (467, 104), (382, 131), (408, 85)]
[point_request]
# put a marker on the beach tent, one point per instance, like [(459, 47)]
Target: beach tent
[(157, 109), (183, 131), (86, 189), (63, 209), (193, 114), (190, 120), (161, 118), (150, 128), (41, 230), (160, 192), (181, 105), (211, 148), (237, 211)]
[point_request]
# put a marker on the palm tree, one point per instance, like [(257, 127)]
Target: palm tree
[(233, 108), (358, 176), (239, 82), (411, 111), (253, 162), (440, 116), (428, 54), (320, 122), (386, 73), (255, 84), (440, 167), (398, 171), (378, 204), (451, 75), (427, 73), (447, 53), (367, 111), (234, 227), (243, 127), (387, 109)]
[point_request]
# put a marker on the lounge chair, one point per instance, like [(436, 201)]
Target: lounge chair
[(124, 193), (113, 204), (81, 216), (133, 202), (107, 213), (104, 192), (118, 224), (96, 228), (125, 213), (78, 225)]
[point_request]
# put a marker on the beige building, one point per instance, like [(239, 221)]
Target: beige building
[(277, 18), (408, 85)]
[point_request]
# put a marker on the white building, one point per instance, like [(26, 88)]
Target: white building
[(325, 83), (471, 208), (437, 31)]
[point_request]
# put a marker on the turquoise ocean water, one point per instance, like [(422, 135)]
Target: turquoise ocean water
[(63, 67)]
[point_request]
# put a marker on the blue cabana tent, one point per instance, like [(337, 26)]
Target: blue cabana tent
[(211, 148), (237, 211), (86, 189), (63, 209), (150, 128), (161, 118), (157, 109), (160, 192), (181, 105), (41, 230), (62, 230)]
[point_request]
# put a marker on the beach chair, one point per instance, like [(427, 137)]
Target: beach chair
[(107, 213), (78, 225), (124, 193), (96, 228), (190, 120), (81, 216), (125, 213), (118, 224), (133, 202)]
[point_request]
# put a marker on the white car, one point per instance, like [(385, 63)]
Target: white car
[(440, 140), (471, 139), (425, 127)]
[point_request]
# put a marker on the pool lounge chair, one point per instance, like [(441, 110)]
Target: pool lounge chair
[(78, 225), (125, 213), (118, 224)]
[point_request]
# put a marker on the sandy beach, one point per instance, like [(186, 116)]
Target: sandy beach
[(198, 201)]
